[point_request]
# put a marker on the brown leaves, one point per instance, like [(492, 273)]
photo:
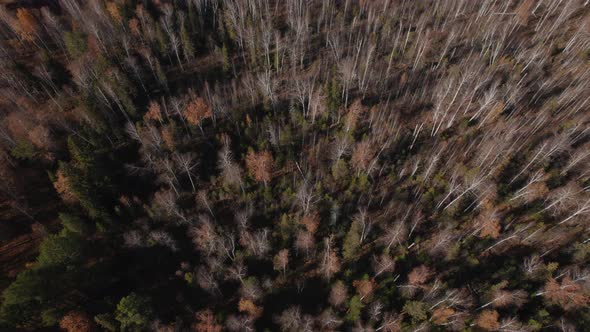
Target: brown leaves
[(491, 228), (203, 235), (134, 26), (76, 321), (304, 241), (114, 12), (503, 298), (363, 155), (338, 294), (196, 111), (154, 112), (488, 320), (62, 187), (568, 294), (27, 24), (364, 288), (441, 315), (524, 11), (488, 223), (40, 136), (206, 322), (281, 260), (260, 165), (419, 275), (311, 222), (250, 308)]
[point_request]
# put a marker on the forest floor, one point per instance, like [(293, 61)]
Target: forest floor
[(22, 234)]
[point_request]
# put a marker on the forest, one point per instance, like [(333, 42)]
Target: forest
[(295, 165)]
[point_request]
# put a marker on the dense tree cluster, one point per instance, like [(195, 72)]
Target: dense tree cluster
[(298, 165)]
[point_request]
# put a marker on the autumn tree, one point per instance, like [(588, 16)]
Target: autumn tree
[(419, 275), (338, 294), (27, 24), (281, 260), (440, 316), (488, 320), (304, 241), (230, 170), (77, 321), (569, 294), (205, 322), (382, 264), (311, 221), (260, 165), (154, 112), (364, 287), (330, 263), (196, 111), (247, 306)]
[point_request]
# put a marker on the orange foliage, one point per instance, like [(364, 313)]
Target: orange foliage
[(250, 308), (568, 295), (206, 322), (27, 24), (197, 111), (441, 315), (154, 112), (259, 165), (490, 228), (311, 222), (488, 320), (488, 222), (114, 11), (364, 288), (76, 321)]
